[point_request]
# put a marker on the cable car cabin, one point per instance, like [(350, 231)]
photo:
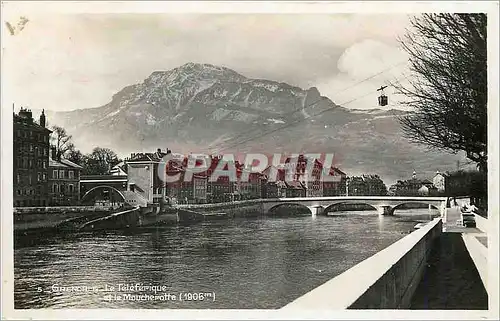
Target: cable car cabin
[(382, 100)]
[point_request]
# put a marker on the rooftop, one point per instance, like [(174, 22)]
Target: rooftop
[(63, 163)]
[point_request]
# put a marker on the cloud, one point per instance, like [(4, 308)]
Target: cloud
[(64, 62), (364, 67)]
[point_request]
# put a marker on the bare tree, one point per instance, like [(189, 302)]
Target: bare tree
[(448, 90), (75, 155), (61, 140)]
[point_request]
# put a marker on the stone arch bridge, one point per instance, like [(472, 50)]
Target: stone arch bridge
[(114, 194), (385, 205)]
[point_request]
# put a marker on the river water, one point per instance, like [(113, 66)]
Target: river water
[(258, 263)]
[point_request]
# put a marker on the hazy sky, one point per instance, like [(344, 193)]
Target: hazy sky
[(64, 62)]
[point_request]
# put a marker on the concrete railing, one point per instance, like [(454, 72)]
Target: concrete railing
[(386, 280), (479, 254), (481, 223)]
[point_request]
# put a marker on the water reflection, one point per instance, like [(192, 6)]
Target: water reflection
[(248, 263)]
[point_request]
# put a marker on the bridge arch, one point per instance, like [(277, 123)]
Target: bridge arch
[(427, 203), (91, 192), (276, 207), (331, 206)]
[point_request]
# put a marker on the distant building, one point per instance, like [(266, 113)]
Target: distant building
[(413, 187), (250, 188), (441, 182), (337, 187), (220, 189), (186, 190), (119, 169), (200, 183), (30, 160), (64, 181), (296, 189), (309, 177), (274, 187), (142, 176)]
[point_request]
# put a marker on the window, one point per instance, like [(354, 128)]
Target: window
[(31, 147), (71, 188), (54, 174), (18, 178), (44, 164), (54, 188), (18, 192), (29, 180), (61, 173), (39, 177), (19, 162), (30, 163), (71, 174), (44, 177), (45, 152), (62, 188)]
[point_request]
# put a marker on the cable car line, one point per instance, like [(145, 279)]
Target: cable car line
[(296, 122), (221, 144)]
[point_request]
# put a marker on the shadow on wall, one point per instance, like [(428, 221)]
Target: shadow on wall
[(451, 280)]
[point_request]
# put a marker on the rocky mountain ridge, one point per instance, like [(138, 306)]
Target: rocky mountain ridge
[(207, 108)]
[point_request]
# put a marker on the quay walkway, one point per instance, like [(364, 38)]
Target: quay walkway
[(456, 273)]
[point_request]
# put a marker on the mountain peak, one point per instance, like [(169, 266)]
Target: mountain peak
[(200, 65), (205, 69)]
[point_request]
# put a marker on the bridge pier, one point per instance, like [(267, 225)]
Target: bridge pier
[(316, 210), (442, 212), (385, 210)]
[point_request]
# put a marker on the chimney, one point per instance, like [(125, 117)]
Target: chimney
[(42, 118), (53, 152), (26, 114)]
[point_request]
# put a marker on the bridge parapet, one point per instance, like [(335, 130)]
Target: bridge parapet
[(385, 205)]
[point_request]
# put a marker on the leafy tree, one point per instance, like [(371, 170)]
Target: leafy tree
[(100, 161), (449, 89), (470, 183)]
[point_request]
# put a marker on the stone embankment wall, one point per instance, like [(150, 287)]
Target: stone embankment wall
[(36, 218), (250, 208)]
